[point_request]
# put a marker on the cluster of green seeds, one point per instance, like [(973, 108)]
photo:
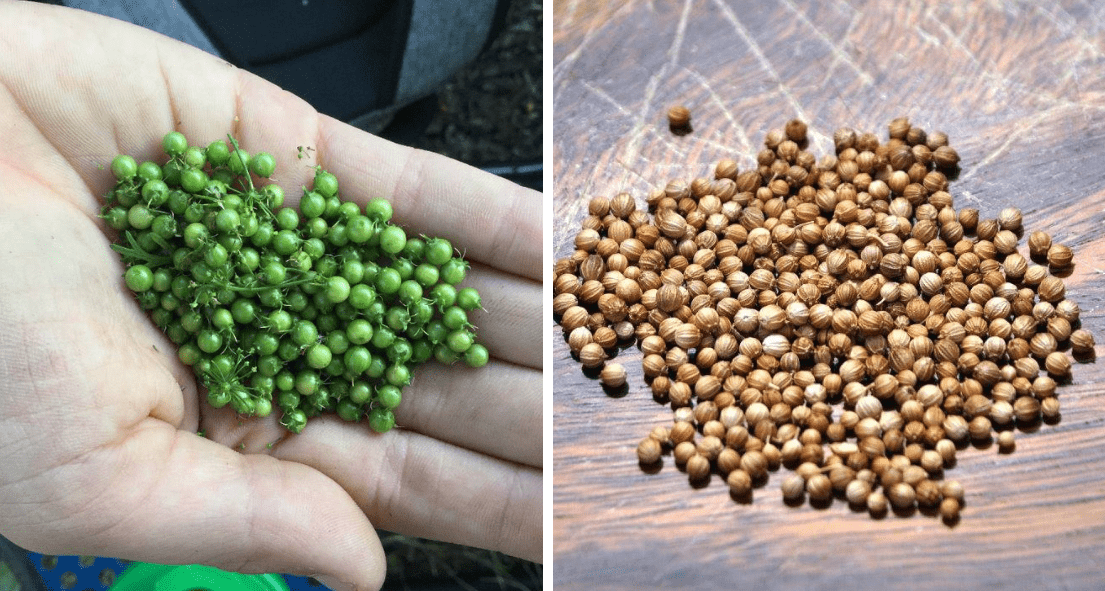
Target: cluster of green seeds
[(327, 308)]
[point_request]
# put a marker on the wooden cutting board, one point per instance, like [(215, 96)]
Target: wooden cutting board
[(1020, 90)]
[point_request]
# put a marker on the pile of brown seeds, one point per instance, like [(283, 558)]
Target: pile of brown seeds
[(840, 318)]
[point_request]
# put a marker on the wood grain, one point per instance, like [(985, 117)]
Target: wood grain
[(1019, 88)]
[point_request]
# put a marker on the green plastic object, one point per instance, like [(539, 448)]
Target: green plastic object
[(142, 576)]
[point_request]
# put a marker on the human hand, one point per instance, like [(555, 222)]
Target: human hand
[(97, 415)]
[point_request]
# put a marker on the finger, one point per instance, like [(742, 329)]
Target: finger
[(172, 496), (509, 323), (495, 410), (497, 222), (418, 486)]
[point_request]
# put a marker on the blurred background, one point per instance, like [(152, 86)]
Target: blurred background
[(461, 78)]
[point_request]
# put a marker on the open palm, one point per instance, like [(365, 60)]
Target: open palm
[(98, 418)]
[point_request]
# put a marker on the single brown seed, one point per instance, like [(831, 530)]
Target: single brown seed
[(857, 492), (592, 355), (613, 375), (877, 503), (819, 487), (653, 365), (755, 464), (608, 337), (648, 451), (660, 387), (709, 447), (713, 429), (698, 468), (1068, 309), (682, 431), (901, 495), (773, 455), (679, 116), (946, 449), (679, 393), (794, 487), (1006, 442), (913, 474), (563, 302), (1002, 412), (949, 509), (1049, 408), (574, 317), (740, 483), (928, 494), (587, 239), (1057, 364), (1059, 256), (1039, 243), (1027, 411), (598, 206), (578, 338), (980, 428), (1081, 342), (726, 169), (1041, 386), (796, 130), (1010, 219), (728, 460), (932, 461), (736, 437), (683, 452), (945, 157)]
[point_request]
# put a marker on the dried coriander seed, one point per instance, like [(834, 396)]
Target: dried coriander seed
[(682, 431), (683, 452), (1039, 243), (901, 495), (679, 117), (728, 460), (794, 488), (648, 451), (740, 483), (877, 503), (578, 338), (613, 375), (952, 489), (857, 492), (592, 355), (949, 509), (1081, 342), (819, 488), (928, 494), (698, 468), (1059, 256)]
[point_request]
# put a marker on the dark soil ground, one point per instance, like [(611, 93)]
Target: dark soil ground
[(489, 114)]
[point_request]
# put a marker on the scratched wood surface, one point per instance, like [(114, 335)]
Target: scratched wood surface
[(1019, 88)]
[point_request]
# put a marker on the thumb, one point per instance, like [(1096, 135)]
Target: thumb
[(197, 501)]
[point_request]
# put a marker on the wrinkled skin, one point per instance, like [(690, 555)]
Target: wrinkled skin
[(98, 447)]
